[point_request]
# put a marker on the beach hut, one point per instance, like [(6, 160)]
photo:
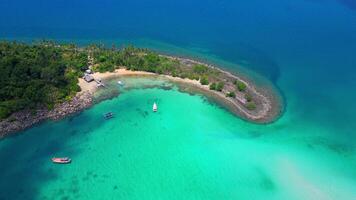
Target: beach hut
[(88, 78)]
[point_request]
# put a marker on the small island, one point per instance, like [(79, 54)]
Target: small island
[(46, 80)]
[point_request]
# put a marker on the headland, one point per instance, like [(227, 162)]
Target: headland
[(87, 69)]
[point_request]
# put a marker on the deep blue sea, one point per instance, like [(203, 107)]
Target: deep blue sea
[(304, 48)]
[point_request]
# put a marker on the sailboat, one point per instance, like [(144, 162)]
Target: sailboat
[(120, 83), (154, 107)]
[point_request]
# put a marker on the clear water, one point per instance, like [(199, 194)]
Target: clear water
[(192, 148)]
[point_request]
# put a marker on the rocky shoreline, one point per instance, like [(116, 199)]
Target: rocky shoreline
[(27, 118), (268, 111), (271, 106)]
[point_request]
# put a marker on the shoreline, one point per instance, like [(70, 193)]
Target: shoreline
[(25, 119), (264, 116), (270, 111)]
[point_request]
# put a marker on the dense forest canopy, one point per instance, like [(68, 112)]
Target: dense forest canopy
[(37, 75)]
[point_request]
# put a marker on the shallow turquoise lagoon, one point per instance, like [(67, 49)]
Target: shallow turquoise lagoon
[(190, 149)]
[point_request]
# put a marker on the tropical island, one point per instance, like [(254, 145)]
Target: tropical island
[(46, 80)]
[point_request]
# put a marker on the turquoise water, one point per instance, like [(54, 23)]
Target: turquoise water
[(192, 148)]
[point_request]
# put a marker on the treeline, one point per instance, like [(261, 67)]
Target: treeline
[(139, 59), (46, 73), (41, 74)]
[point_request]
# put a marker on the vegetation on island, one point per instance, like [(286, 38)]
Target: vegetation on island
[(45, 73), (231, 94), (240, 86), (37, 75), (251, 106), (248, 97)]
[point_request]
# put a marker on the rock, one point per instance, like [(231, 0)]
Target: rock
[(25, 118)]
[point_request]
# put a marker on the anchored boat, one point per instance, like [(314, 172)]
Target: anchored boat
[(120, 83), (108, 115), (64, 160), (154, 107)]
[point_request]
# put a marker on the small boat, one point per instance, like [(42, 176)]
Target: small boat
[(120, 83), (154, 107), (108, 115), (64, 160)]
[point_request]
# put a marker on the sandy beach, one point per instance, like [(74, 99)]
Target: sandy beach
[(232, 104), (92, 86), (268, 111)]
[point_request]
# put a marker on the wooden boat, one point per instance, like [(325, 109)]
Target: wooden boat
[(108, 115), (64, 160), (154, 107)]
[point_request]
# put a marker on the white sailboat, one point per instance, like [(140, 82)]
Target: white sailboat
[(120, 83), (154, 107)]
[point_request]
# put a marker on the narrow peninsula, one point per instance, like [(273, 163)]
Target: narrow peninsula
[(46, 80)]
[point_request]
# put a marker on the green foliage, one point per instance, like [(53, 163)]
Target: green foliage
[(44, 74), (151, 61), (204, 80), (240, 86), (248, 97), (200, 69), (38, 74), (104, 67), (194, 76), (231, 94), (212, 86), (251, 106), (217, 86), (220, 86)]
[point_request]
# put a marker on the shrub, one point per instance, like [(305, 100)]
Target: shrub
[(4, 112), (231, 94), (159, 71), (220, 86), (251, 106), (248, 97), (104, 67), (204, 80), (183, 75), (241, 86), (200, 69), (102, 58), (193, 77), (212, 86)]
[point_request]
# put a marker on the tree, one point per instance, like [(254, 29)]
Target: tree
[(40, 74), (212, 86), (204, 80), (248, 97), (251, 106), (241, 86), (200, 69), (231, 94), (220, 86)]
